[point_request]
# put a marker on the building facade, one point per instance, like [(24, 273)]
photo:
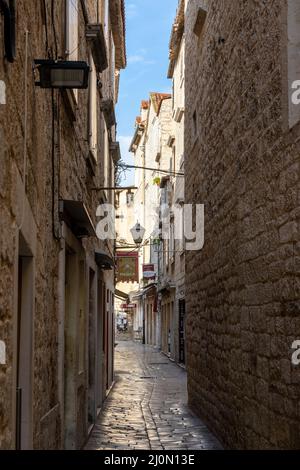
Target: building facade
[(172, 255), (242, 162), (127, 279), (151, 155), (58, 149)]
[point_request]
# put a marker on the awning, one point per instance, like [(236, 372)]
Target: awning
[(121, 295), (76, 216), (145, 291), (137, 296), (103, 260)]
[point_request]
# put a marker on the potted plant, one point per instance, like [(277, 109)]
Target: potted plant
[(157, 181)]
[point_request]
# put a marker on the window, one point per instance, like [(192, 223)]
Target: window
[(166, 255), (172, 241), (72, 39), (106, 157), (113, 66), (110, 178), (72, 36), (105, 18), (129, 199), (173, 93), (199, 21), (93, 106), (182, 239)]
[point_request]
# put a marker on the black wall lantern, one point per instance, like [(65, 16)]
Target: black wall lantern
[(7, 9), (63, 74)]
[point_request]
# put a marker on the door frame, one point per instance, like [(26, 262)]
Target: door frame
[(28, 234)]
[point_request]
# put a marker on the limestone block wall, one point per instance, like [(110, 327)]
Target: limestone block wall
[(242, 162), (57, 150)]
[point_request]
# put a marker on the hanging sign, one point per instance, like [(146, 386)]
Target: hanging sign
[(149, 271), (127, 267)]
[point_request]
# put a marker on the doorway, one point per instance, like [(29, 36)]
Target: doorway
[(92, 408), (71, 307), (24, 347), (99, 343)]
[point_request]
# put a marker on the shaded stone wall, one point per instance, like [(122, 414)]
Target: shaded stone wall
[(242, 289), (56, 169)]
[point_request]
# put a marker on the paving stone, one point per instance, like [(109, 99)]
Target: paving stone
[(148, 413)]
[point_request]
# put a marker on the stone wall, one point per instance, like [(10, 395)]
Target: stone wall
[(57, 168), (242, 289)]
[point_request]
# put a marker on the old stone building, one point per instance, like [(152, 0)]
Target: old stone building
[(172, 256), (151, 156), (126, 278), (58, 149), (242, 161)]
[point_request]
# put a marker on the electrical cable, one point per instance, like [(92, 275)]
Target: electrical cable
[(54, 28), (46, 28), (157, 170), (25, 128)]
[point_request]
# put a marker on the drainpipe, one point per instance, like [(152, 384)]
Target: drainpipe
[(9, 13)]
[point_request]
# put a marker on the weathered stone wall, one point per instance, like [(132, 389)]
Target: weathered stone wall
[(242, 289), (43, 190), (178, 192)]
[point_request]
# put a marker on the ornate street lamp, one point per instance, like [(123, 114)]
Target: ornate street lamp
[(138, 233), (63, 74)]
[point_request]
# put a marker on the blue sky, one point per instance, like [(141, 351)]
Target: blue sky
[(148, 29)]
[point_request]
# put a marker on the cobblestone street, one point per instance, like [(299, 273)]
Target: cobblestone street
[(147, 409)]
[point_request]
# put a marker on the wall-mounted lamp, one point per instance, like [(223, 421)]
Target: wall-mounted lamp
[(63, 74)]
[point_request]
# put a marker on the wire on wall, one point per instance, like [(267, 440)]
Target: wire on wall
[(54, 28), (25, 127)]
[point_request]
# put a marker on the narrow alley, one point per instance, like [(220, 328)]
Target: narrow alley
[(149, 228), (147, 408)]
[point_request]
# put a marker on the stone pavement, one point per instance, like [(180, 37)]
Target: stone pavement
[(147, 408)]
